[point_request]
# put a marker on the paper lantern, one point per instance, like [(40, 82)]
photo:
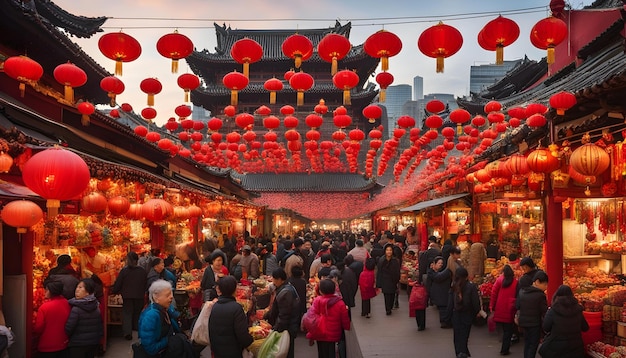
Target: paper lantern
[(590, 160), (188, 82), (547, 34), (536, 121), (156, 210), (291, 122), (356, 135), (440, 41), (314, 121), (6, 162), (271, 122), (113, 86), (383, 44), (342, 120), (149, 113), (518, 165), (406, 122), (273, 85), (435, 106), (321, 107), (230, 110), (517, 112), (346, 80), (459, 116), (497, 34), (246, 51), (141, 131), (23, 69), (174, 46), (119, 47), (153, 137), (562, 101), (171, 124), (151, 87), (372, 112), (542, 161), (118, 206), (333, 47), (433, 121), (235, 82), (70, 76), (244, 121), (297, 47), (301, 82), (21, 214), (479, 121), (384, 80), (183, 111), (86, 109), (94, 203), (313, 135)]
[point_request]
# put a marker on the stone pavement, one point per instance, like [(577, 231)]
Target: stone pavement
[(385, 336)]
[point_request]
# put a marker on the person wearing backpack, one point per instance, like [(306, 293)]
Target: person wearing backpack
[(330, 316), (284, 313)]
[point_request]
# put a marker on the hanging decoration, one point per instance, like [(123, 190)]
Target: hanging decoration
[(235, 82), (346, 80), (174, 46), (435, 106), (440, 41), (119, 47), (70, 76), (333, 47), (297, 47), (23, 69), (301, 82), (459, 116), (321, 107), (21, 214), (113, 86), (188, 82), (273, 85), (246, 51), (547, 34), (86, 109), (498, 34), (589, 159), (151, 87), (372, 112), (383, 44), (384, 80), (562, 101)]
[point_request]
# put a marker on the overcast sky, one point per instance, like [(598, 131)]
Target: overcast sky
[(407, 19)]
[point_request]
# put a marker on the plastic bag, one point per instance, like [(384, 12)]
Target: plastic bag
[(268, 346), (491, 324), (283, 345), (200, 332)]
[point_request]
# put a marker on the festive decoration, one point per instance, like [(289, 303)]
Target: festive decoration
[(23, 69), (547, 34), (321, 107), (246, 51), (21, 214), (372, 112), (149, 113), (273, 85), (440, 41), (497, 34), (384, 80), (562, 101), (297, 47), (459, 116), (6, 162), (383, 44), (244, 121), (542, 161), (156, 210), (86, 109), (235, 82), (188, 82), (314, 121), (113, 86), (536, 121), (119, 47), (346, 80), (301, 82), (174, 46), (70, 76), (406, 121), (94, 203), (151, 87), (333, 47), (435, 106), (589, 159)]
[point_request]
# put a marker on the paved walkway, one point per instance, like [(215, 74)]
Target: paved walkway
[(387, 336)]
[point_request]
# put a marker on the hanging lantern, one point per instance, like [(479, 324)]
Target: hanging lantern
[(156, 210), (313, 121), (517, 112), (406, 122), (536, 121), (70, 76), (174, 46), (118, 206), (6, 162), (435, 106), (246, 51), (346, 80), (333, 47), (291, 122), (440, 41), (321, 107), (459, 116), (149, 113), (21, 214), (235, 82), (313, 135), (356, 135), (94, 203), (113, 86), (372, 112), (230, 111), (23, 69), (562, 101), (297, 47), (518, 165), (141, 131), (171, 124), (342, 120), (589, 159), (301, 82), (271, 122), (383, 44), (214, 124), (273, 85), (478, 121), (153, 137), (384, 80), (244, 121), (188, 82), (56, 174), (86, 109), (542, 161), (183, 111), (547, 34), (498, 33), (287, 110), (448, 132), (151, 87), (119, 47), (433, 121), (263, 111)]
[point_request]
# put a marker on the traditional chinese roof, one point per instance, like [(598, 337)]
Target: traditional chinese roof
[(80, 26), (327, 182), (605, 4)]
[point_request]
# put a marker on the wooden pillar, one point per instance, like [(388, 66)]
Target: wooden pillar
[(554, 243), (27, 243)]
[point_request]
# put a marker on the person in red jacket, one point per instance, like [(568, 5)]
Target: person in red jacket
[(336, 319), (367, 283), (50, 322), (502, 304)]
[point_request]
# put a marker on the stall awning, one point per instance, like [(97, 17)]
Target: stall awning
[(434, 202)]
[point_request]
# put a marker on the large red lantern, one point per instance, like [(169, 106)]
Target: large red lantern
[(590, 159), (314, 121), (118, 206), (333, 47), (214, 124), (384, 80), (244, 121), (459, 116), (547, 34), (536, 121), (86, 109), (383, 44), (113, 86), (406, 122), (149, 113), (497, 34), (119, 47), (346, 80), (291, 122), (518, 165), (235, 82), (542, 161), (21, 214), (151, 87), (562, 101), (435, 106), (301, 82), (433, 121), (246, 51), (372, 112), (273, 85), (188, 82), (156, 210), (297, 47), (440, 41), (94, 203), (70, 76), (24, 69), (183, 111), (56, 174), (342, 120), (174, 46), (271, 122)]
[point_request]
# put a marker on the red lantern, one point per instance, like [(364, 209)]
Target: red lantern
[(214, 124), (263, 111), (6, 162), (21, 214), (174, 46), (183, 111), (297, 47), (149, 113), (273, 85), (287, 110), (535, 108), (291, 122), (342, 120), (383, 44), (301, 82), (372, 112), (119, 47), (482, 176), (233, 137), (118, 206), (171, 124), (447, 132), (346, 80), (249, 136), (70, 76), (433, 121), (246, 51), (94, 203), (384, 80), (479, 121), (23, 69), (56, 174), (333, 47), (440, 41), (194, 211), (518, 165), (547, 34), (271, 122), (244, 121), (86, 109), (590, 160), (186, 124), (134, 212), (536, 121), (292, 135), (356, 135), (542, 161), (459, 116), (562, 101), (517, 112), (230, 111), (435, 106), (313, 120), (313, 135), (151, 87), (156, 210), (188, 82), (126, 107), (141, 131), (235, 82), (339, 135), (492, 106), (153, 137), (406, 122), (498, 33), (113, 86), (321, 107)]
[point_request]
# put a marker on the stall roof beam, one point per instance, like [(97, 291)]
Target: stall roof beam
[(434, 202)]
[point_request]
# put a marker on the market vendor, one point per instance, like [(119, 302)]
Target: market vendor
[(249, 262)]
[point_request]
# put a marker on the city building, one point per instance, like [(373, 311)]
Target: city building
[(418, 88), (484, 76), (397, 96)]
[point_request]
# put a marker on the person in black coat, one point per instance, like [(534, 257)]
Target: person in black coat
[(445, 251), (466, 307), (228, 324), (388, 276), (564, 323), (131, 283), (530, 269), (531, 308), (65, 273), (207, 285), (438, 286), (84, 325), (299, 283), (348, 284), (425, 258), (284, 314)]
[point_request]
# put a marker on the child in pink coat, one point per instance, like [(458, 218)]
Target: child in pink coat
[(367, 283)]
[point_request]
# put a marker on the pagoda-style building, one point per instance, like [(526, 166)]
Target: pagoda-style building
[(212, 66)]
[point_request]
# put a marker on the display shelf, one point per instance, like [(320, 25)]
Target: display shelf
[(583, 257), (611, 256)]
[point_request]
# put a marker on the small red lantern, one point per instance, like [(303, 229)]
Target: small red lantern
[(435, 106), (498, 33), (113, 86), (183, 111), (141, 131), (249, 136), (188, 82), (333, 47), (287, 110), (156, 210), (119, 47), (479, 121), (273, 85), (24, 69), (339, 135), (271, 122), (134, 212), (230, 111), (459, 116), (301, 82), (171, 124), (235, 82), (86, 109), (94, 203), (246, 51), (346, 80), (153, 137), (562, 101), (313, 135), (433, 121), (356, 135), (118, 206), (292, 135), (321, 107), (263, 110), (372, 112), (517, 112), (297, 47), (151, 87), (165, 144), (547, 34), (535, 108), (440, 41), (518, 165), (313, 120), (342, 120), (174, 46), (384, 80), (6, 162), (536, 121), (406, 122), (244, 121), (383, 44), (70, 76), (149, 113), (291, 122), (21, 214), (126, 107), (214, 124)]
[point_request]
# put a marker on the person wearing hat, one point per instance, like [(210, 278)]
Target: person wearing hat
[(249, 263), (131, 283), (65, 273)]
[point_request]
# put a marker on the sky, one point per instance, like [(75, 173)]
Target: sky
[(406, 18)]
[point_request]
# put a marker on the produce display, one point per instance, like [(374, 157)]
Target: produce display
[(607, 350), (409, 268)]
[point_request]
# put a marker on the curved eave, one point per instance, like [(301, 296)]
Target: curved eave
[(80, 26)]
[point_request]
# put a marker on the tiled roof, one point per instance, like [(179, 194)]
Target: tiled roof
[(327, 182), (79, 26)]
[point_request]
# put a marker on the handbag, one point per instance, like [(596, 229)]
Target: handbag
[(314, 324), (491, 324), (200, 331)]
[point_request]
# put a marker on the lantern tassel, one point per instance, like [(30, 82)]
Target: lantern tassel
[(187, 95), (499, 54), (84, 120), (551, 55), (273, 97), (174, 66), (459, 129), (346, 97), (22, 89), (382, 96), (333, 66), (298, 60), (234, 98), (53, 207), (69, 94), (384, 63), (300, 100), (150, 99), (371, 120), (112, 97), (560, 111), (246, 69), (439, 64), (118, 68)]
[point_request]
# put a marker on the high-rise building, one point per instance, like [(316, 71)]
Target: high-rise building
[(483, 76), (418, 88), (397, 96), (448, 99)]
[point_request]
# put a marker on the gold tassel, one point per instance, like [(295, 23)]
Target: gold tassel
[(560, 111), (384, 63), (333, 66), (551, 55), (300, 101), (382, 96), (22, 89), (346, 97), (298, 60), (69, 94), (234, 98), (150, 99), (439, 64), (186, 95), (53, 207), (118, 67), (84, 120), (459, 129), (174, 66), (372, 120), (246, 69), (273, 97), (499, 54), (112, 97)]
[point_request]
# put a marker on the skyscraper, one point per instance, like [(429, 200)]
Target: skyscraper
[(418, 88), (483, 76), (397, 96)]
